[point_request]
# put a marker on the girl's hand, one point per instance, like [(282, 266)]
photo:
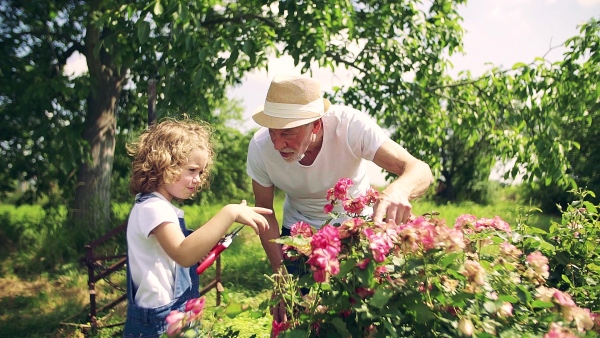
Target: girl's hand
[(252, 216)]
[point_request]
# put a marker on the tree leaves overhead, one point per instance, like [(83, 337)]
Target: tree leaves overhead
[(524, 115), (196, 50), (61, 130)]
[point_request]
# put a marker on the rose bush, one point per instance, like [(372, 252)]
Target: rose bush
[(196, 320), (420, 279), (573, 248), (187, 323)]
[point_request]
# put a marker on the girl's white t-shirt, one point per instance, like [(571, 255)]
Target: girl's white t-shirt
[(350, 137), (152, 270)]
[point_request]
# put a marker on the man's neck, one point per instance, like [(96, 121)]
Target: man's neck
[(313, 149)]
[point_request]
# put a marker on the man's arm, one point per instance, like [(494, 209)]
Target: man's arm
[(264, 197), (414, 177)]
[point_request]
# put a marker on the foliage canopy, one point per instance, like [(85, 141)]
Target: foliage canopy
[(60, 132)]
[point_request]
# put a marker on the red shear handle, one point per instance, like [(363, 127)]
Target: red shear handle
[(212, 256)]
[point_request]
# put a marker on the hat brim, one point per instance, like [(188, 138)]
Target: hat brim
[(284, 123)]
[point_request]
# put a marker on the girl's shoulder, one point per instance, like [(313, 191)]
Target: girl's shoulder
[(155, 210), (150, 202)]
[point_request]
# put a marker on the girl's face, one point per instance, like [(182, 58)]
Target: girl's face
[(189, 179)]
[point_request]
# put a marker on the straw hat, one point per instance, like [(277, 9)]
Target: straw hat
[(291, 101)]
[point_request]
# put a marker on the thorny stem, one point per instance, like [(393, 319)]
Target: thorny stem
[(284, 281), (314, 306), (426, 283)]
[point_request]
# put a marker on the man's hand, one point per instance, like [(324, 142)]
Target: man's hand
[(278, 312), (394, 205)]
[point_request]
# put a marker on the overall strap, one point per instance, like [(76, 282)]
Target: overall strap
[(139, 198)]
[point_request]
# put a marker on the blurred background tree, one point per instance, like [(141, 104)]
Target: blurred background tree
[(60, 132), (65, 135)]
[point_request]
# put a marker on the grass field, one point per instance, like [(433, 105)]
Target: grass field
[(54, 302)]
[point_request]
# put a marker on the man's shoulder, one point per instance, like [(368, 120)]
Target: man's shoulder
[(345, 114), (342, 110)]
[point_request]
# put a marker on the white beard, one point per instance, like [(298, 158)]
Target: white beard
[(295, 158), (298, 157)]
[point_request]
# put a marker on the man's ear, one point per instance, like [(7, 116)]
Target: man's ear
[(317, 125)]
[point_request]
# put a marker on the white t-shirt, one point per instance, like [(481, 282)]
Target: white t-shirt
[(350, 137), (152, 270)]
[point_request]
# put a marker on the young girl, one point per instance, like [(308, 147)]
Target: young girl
[(171, 161)]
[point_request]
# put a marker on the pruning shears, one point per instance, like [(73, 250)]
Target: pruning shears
[(217, 249)]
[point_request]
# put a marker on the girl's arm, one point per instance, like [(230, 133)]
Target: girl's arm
[(187, 251)]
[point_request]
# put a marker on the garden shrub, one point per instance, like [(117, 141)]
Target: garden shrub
[(425, 279), (573, 249)]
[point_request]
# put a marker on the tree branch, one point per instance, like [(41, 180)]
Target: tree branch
[(240, 19), (338, 59)]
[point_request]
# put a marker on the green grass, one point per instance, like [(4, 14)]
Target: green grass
[(55, 302)]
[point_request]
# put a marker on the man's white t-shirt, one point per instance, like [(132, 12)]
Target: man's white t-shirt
[(152, 270), (350, 137)]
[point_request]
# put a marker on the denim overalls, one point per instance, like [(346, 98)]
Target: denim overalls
[(143, 322)]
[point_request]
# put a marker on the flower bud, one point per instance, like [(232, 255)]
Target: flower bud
[(465, 326)]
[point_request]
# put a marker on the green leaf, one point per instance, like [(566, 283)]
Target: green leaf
[(562, 258), (381, 298), (347, 266), (340, 326), (295, 333), (233, 309), (508, 298), (541, 304), (593, 267), (422, 311), (297, 241), (523, 294), (535, 230), (256, 314), (567, 280), (449, 259), (365, 277), (590, 207), (143, 31), (519, 65)]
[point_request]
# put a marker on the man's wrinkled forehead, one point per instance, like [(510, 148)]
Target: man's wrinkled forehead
[(291, 130)]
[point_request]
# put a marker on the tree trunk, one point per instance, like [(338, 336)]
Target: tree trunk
[(92, 195)]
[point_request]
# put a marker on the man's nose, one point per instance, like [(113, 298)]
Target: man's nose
[(278, 143)]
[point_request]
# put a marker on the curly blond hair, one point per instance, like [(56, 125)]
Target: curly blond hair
[(162, 150)]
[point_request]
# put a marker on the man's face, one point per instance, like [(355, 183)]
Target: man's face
[(292, 143)]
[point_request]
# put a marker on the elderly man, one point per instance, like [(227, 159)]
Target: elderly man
[(306, 145)]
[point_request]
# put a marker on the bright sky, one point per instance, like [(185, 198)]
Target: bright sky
[(500, 32)]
